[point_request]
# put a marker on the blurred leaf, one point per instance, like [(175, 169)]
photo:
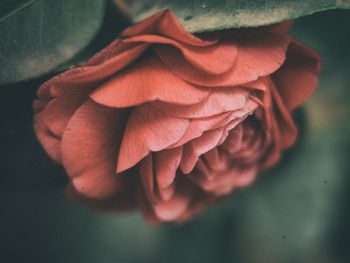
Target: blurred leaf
[(206, 15), (39, 35)]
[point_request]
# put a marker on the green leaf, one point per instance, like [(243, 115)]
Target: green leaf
[(39, 35), (207, 15)]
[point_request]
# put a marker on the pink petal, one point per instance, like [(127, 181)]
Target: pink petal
[(214, 59), (172, 209), (164, 24), (89, 149), (197, 147), (257, 56), (147, 80), (219, 101), (148, 129), (298, 77), (166, 164), (58, 111)]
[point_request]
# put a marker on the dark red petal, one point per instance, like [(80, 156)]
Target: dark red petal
[(287, 130), (298, 77), (282, 27), (148, 129), (89, 149), (147, 80)]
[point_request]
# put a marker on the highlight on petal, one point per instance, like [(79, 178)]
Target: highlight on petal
[(298, 76), (147, 80), (148, 129), (258, 55), (90, 147), (219, 101)]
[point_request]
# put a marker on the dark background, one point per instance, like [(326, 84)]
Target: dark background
[(297, 212)]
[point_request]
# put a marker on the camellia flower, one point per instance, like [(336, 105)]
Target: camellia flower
[(168, 121)]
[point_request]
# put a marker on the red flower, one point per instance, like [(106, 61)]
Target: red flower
[(170, 122)]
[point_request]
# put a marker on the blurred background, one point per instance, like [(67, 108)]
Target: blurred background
[(296, 212)]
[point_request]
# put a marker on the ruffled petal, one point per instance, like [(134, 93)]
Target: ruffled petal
[(219, 101), (166, 164), (214, 59), (298, 77), (148, 129), (257, 56), (91, 76), (89, 149), (147, 80), (197, 147), (165, 24)]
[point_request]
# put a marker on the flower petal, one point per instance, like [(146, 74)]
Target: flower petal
[(148, 129), (165, 24), (219, 101), (166, 164), (214, 59), (58, 111), (257, 56), (298, 77), (147, 80), (197, 147), (91, 76), (89, 149)]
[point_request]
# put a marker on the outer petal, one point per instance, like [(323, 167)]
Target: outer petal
[(58, 111), (90, 76), (165, 24), (298, 77), (214, 59), (148, 129), (89, 149), (258, 56), (147, 80)]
